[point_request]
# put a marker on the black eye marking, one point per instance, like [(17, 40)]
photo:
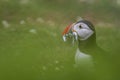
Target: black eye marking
[(80, 26)]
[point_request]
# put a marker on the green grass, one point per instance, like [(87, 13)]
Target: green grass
[(25, 55), (42, 55)]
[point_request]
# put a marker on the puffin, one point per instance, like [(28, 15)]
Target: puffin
[(89, 57)]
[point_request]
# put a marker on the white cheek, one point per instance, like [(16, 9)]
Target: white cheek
[(84, 33)]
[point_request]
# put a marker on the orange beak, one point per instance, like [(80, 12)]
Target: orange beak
[(67, 29)]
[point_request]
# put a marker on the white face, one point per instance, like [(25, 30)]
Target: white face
[(83, 31)]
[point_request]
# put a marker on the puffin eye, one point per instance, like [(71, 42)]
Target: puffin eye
[(80, 26)]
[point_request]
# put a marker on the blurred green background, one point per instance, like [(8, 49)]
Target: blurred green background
[(31, 45)]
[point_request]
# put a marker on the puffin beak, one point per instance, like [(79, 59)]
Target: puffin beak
[(67, 32), (70, 33)]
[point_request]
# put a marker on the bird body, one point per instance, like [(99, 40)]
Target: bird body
[(89, 56)]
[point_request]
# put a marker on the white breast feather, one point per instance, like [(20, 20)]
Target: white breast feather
[(83, 60)]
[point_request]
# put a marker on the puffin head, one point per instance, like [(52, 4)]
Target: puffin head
[(82, 30)]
